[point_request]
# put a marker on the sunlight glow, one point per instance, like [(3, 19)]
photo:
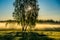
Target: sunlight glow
[(28, 9)]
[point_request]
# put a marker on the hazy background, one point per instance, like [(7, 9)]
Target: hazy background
[(49, 9)]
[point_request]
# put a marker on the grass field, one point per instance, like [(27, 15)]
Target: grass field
[(55, 35)]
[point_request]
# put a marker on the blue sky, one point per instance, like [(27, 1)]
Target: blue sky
[(49, 9)]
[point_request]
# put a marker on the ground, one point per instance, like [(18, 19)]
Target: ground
[(34, 35)]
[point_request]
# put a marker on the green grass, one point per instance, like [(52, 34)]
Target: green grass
[(51, 34)]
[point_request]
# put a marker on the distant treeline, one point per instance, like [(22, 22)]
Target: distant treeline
[(9, 21), (48, 21), (49, 29), (38, 21)]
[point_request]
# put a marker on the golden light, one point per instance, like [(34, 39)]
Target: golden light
[(28, 8)]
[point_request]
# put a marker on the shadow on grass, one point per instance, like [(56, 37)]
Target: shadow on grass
[(25, 36), (35, 36), (6, 37)]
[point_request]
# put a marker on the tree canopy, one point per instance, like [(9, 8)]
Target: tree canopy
[(26, 11)]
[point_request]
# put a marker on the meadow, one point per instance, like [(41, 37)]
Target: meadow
[(13, 32), (40, 35)]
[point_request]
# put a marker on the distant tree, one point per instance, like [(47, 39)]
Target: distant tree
[(26, 12)]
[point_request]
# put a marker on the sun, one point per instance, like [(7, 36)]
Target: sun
[(28, 8)]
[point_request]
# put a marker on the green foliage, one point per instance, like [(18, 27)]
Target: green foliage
[(26, 11)]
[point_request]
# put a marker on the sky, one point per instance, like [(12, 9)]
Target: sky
[(49, 9)]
